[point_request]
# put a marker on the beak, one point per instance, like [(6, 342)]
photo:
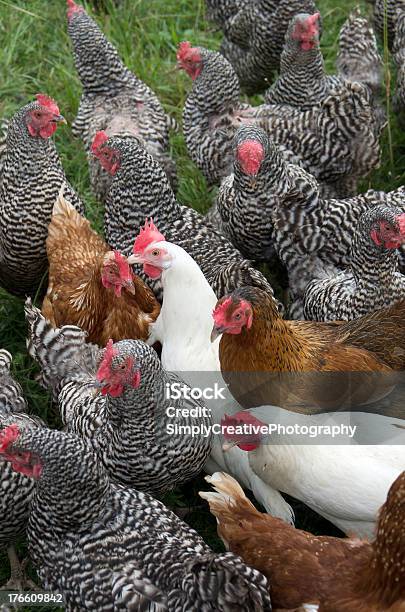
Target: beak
[(60, 119), (129, 286), (216, 332), (97, 385), (133, 259), (227, 446)]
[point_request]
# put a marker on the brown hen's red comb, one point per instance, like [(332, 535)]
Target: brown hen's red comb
[(123, 265), (48, 103), (8, 436), (218, 314), (99, 139), (104, 369), (147, 235)]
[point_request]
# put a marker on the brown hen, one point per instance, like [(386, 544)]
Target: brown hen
[(258, 341), (338, 575), (91, 286)]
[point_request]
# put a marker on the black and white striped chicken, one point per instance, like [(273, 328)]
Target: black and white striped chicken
[(16, 488), (139, 191), (358, 57), (385, 16), (126, 423), (114, 99), (302, 81), (372, 280), (254, 35), (105, 547), (398, 53), (31, 178)]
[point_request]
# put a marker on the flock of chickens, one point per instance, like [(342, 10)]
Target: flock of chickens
[(169, 297)]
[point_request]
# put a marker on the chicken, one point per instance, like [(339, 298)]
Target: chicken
[(140, 190), (91, 286), (385, 16), (372, 280), (31, 178), (109, 547), (345, 478), (187, 297), (212, 110), (358, 57), (338, 574), (338, 143), (268, 203), (16, 488), (131, 423), (302, 82), (113, 99), (258, 341), (254, 36)]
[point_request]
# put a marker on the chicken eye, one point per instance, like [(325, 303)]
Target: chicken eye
[(122, 366), (238, 316), (155, 252)]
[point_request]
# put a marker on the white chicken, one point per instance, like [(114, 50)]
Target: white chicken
[(184, 328), (345, 483)]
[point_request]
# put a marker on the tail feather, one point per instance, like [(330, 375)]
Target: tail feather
[(226, 582), (228, 494), (61, 353)]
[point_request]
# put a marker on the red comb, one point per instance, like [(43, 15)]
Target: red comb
[(250, 155), (241, 417), (104, 368), (99, 139), (123, 265), (183, 50), (312, 20), (218, 314), (50, 104), (73, 8), (8, 436), (147, 235)]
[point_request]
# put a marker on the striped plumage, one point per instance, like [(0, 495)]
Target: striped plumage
[(246, 200), (254, 37), (140, 190), (302, 81), (211, 111), (399, 59), (16, 489), (128, 431), (31, 178), (106, 547), (358, 58), (114, 99), (385, 11), (337, 143), (372, 280)]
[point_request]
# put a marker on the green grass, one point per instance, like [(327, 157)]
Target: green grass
[(35, 56)]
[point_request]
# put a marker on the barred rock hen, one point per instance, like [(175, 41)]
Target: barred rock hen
[(254, 36), (92, 286), (256, 339), (358, 57), (212, 110), (337, 143), (113, 99), (385, 11), (269, 201), (373, 280), (248, 199), (31, 178), (107, 547), (302, 81), (127, 425), (339, 574), (16, 489), (140, 190)]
